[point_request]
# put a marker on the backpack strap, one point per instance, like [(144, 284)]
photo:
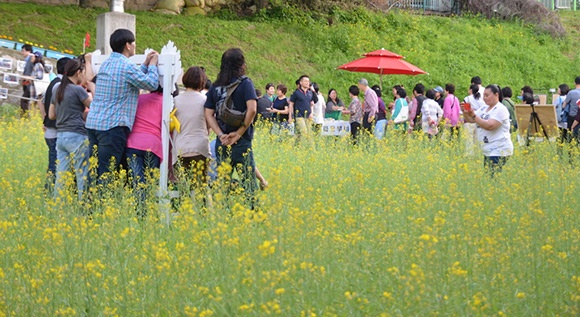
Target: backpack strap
[(510, 102), (230, 91)]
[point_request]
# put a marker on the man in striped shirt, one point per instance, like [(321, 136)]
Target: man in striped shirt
[(371, 105), (114, 105)]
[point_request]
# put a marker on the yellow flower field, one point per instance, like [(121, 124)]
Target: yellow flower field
[(400, 227)]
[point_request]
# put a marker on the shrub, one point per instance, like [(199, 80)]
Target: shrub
[(529, 11)]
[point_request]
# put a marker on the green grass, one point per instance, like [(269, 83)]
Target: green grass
[(279, 50)]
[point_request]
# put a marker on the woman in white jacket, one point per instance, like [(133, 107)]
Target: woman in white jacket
[(431, 114), (319, 108)]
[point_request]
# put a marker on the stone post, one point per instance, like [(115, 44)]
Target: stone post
[(108, 22)]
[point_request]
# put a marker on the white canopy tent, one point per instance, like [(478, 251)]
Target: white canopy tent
[(169, 71)]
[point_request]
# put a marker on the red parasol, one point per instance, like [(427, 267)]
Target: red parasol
[(383, 62)]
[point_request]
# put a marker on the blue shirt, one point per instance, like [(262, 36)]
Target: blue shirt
[(241, 95), (118, 84), (571, 98), (28, 66), (302, 101)]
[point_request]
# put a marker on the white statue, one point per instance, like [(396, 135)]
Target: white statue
[(117, 6)]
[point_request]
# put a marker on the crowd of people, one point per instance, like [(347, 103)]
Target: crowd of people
[(486, 114), (104, 115)]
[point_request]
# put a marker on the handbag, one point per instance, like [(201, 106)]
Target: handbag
[(403, 115), (174, 123)]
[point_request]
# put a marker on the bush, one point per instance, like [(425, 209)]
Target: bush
[(529, 11)]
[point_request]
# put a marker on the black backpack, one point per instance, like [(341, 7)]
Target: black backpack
[(419, 114), (47, 100)]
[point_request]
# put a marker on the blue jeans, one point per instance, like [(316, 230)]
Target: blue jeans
[(138, 161), (110, 145), (241, 157), (494, 164), (72, 149), (380, 128), (51, 170), (212, 171)]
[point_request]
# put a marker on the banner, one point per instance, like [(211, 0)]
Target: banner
[(337, 128)]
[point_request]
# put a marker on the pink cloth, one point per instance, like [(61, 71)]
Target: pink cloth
[(413, 112), (451, 108), (146, 132)]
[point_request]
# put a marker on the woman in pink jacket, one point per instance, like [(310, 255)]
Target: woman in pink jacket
[(451, 110)]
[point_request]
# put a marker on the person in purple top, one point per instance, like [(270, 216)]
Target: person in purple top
[(381, 118)]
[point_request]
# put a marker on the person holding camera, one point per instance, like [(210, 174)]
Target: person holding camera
[(493, 129)]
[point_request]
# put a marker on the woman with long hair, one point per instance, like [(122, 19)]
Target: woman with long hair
[(234, 143), (68, 108), (334, 106), (37, 73)]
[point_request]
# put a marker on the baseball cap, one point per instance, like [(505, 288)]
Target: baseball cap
[(438, 89), (38, 54)]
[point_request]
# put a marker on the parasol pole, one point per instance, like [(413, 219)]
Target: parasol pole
[(381, 78)]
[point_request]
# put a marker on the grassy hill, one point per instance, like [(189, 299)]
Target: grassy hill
[(282, 46)]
